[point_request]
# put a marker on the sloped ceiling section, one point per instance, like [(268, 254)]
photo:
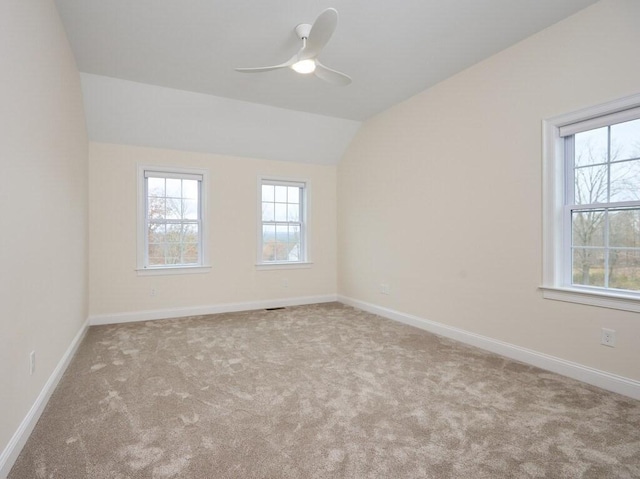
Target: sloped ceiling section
[(121, 111), (392, 50)]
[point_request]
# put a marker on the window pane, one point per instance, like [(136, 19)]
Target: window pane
[(591, 185), (281, 204), (174, 188), (588, 228), (294, 243), (282, 240), (173, 253), (268, 233), (282, 233), (268, 243), (174, 208), (282, 253), (190, 233), (625, 140), (624, 228), (156, 233), (294, 252), (293, 213), (591, 147), (155, 186), (625, 181), (624, 269), (294, 194), (281, 194), (267, 193), (294, 234), (156, 208), (190, 189), (281, 212), (190, 253), (267, 212), (173, 221), (190, 209), (156, 254), (174, 234), (588, 266)]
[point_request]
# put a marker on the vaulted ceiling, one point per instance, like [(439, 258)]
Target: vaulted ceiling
[(186, 51)]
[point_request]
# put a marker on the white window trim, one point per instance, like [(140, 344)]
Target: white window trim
[(282, 265), (204, 266), (554, 241), (304, 231)]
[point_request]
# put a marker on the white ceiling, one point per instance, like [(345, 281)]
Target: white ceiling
[(391, 50), (130, 113)]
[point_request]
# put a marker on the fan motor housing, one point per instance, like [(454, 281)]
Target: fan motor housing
[(303, 30)]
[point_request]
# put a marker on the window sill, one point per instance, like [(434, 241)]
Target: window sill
[(593, 297), (168, 270), (271, 266)]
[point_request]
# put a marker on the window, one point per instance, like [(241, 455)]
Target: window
[(592, 206), (171, 230), (282, 229)]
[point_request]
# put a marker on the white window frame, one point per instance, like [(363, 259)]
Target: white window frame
[(556, 280), (304, 262), (142, 266)]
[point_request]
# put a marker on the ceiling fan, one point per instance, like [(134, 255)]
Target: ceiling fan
[(314, 38)]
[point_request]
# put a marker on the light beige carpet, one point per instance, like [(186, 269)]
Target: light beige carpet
[(313, 392)]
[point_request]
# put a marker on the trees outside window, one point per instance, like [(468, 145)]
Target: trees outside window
[(591, 206), (171, 226), (603, 205), (282, 222)]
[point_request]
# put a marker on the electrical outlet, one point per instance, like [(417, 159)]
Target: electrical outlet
[(153, 293), (385, 288), (32, 362), (285, 283), (608, 337)]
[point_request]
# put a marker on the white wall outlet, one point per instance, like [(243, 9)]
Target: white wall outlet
[(153, 293), (32, 362), (285, 283), (385, 288), (608, 337)]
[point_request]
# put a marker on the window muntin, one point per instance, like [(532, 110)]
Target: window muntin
[(171, 210), (282, 222), (602, 205)]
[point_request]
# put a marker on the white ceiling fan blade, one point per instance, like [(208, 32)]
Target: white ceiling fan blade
[(331, 76), (320, 33), (286, 64)]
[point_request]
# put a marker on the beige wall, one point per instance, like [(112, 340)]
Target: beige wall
[(440, 196), (43, 198), (114, 284)]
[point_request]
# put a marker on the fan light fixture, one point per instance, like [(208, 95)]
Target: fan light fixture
[(314, 38), (304, 66)]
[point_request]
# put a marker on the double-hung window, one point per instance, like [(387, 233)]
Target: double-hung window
[(171, 229), (282, 228), (592, 207)]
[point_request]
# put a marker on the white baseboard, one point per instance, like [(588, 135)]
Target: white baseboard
[(19, 439), (602, 379), (151, 315)]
